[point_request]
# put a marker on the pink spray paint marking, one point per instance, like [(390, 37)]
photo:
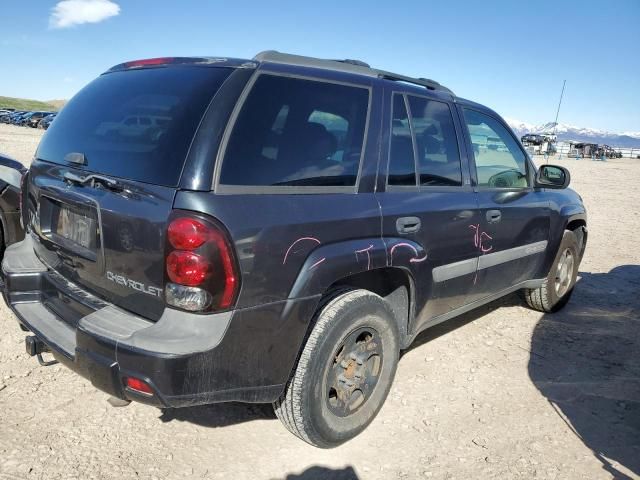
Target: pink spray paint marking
[(482, 248), (317, 263), (415, 259), (478, 238), (313, 239), (365, 250)]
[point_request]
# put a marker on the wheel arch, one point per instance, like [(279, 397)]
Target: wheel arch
[(395, 285), (578, 225), (363, 264)]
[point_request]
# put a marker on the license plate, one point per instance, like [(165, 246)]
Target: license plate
[(77, 228)]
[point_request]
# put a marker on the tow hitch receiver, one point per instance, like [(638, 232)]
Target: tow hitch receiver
[(35, 348)]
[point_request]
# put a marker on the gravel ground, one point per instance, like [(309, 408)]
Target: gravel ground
[(504, 392)]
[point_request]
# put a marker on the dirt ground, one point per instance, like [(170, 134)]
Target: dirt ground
[(504, 392)]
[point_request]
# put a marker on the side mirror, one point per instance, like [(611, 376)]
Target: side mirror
[(552, 176)]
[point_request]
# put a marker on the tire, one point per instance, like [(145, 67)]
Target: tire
[(553, 294), (331, 397)]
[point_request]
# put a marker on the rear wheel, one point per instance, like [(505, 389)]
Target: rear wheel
[(557, 288), (345, 370)]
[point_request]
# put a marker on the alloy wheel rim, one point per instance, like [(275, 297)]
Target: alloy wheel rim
[(564, 273), (354, 372)]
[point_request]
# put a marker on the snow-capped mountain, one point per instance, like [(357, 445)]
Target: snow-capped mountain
[(567, 133)]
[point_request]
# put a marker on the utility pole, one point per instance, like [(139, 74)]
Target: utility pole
[(555, 125)]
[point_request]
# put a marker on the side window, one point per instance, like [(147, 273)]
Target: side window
[(402, 166), (436, 142), (293, 131), (500, 162)]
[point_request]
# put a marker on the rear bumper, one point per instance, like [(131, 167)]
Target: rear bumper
[(244, 355)]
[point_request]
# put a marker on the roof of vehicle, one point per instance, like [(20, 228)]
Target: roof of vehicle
[(351, 66), (271, 56), (347, 65)]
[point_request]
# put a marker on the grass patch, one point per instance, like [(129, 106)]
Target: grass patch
[(26, 104)]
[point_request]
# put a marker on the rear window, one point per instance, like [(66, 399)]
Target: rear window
[(297, 132), (135, 124)]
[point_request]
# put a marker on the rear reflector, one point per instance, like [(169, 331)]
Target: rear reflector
[(138, 385)]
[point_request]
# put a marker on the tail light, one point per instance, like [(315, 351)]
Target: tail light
[(200, 265)]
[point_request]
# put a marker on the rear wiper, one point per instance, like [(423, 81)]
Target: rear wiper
[(93, 180)]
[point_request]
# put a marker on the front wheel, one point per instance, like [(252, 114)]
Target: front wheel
[(557, 288), (345, 370)]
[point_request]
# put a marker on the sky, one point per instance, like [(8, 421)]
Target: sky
[(509, 55)]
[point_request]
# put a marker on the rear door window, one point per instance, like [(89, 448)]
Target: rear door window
[(135, 124), (402, 165), (297, 132), (436, 143)]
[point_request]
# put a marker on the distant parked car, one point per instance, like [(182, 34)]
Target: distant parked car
[(11, 231), (8, 117), (46, 121), (24, 119), (19, 118), (35, 118)]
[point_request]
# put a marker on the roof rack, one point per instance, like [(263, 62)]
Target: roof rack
[(350, 66)]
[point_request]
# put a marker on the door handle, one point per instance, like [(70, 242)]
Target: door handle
[(408, 224), (494, 216)]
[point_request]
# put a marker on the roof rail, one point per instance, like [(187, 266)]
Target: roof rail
[(351, 61), (424, 82), (350, 66)]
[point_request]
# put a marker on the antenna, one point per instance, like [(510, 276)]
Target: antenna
[(555, 125)]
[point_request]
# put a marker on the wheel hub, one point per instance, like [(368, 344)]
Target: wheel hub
[(564, 273), (354, 373)]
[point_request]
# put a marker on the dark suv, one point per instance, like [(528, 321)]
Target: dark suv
[(276, 230)]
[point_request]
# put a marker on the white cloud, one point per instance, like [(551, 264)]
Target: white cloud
[(68, 13)]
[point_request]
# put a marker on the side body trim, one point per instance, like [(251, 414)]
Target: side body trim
[(465, 267)]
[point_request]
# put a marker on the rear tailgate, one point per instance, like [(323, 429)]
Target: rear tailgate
[(111, 242), (102, 187)]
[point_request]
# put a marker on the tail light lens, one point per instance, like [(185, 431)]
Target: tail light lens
[(187, 233), (187, 268), (200, 265)]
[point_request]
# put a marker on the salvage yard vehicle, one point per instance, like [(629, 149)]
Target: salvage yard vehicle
[(35, 119), (540, 144), (46, 121), (281, 237)]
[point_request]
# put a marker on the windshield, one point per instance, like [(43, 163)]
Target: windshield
[(135, 124)]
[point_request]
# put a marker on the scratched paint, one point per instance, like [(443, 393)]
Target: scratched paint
[(415, 258), (365, 250), (317, 263), (301, 239)]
